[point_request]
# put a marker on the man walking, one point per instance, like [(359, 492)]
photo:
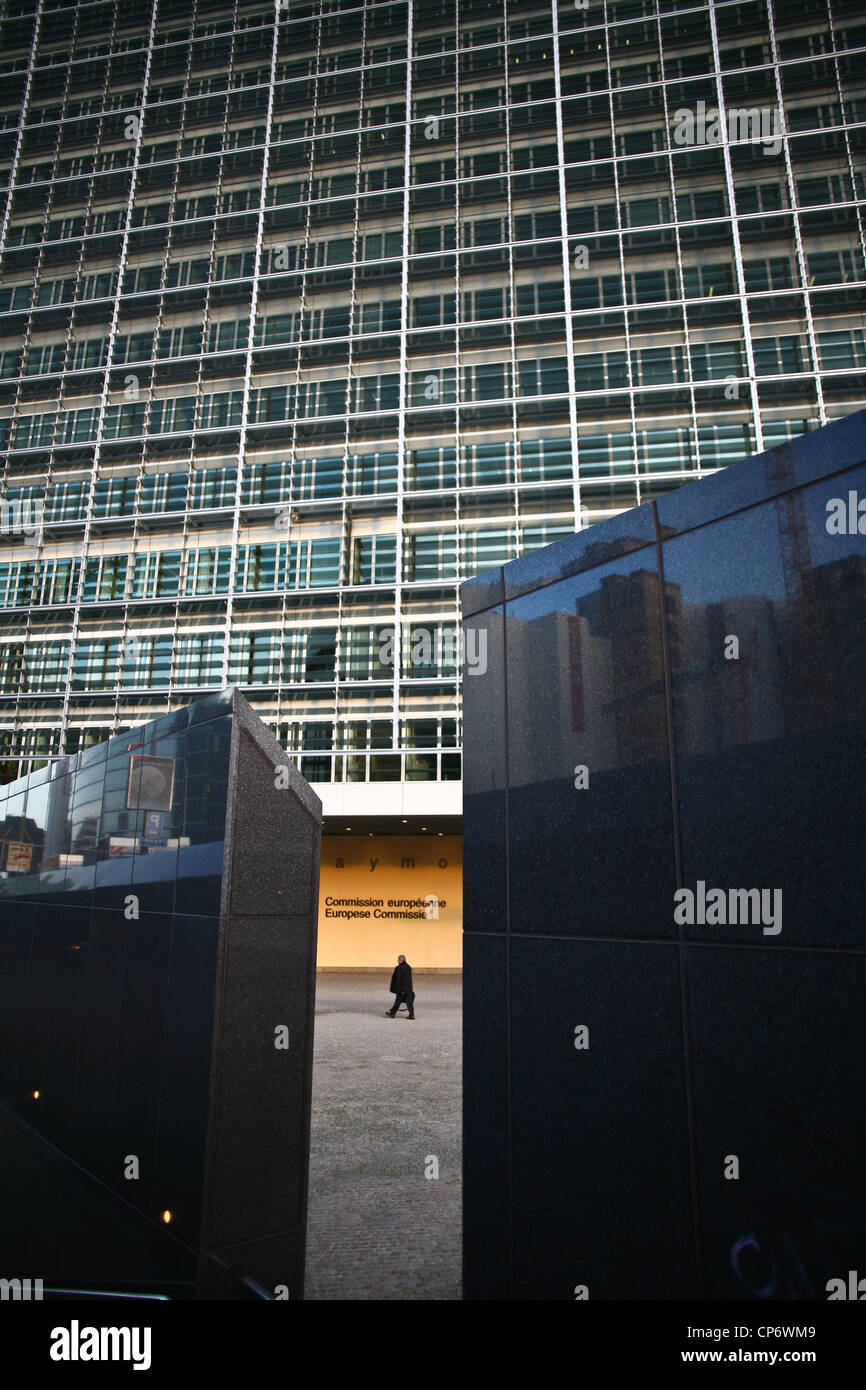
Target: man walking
[(401, 987)]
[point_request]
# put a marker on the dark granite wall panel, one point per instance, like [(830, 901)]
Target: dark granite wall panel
[(599, 1132), (781, 729), (586, 702), (703, 660), (486, 1112), (484, 839), (779, 1079), (158, 899)]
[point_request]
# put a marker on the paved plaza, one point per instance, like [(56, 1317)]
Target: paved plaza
[(386, 1103)]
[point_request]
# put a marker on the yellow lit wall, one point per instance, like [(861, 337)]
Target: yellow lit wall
[(389, 877)]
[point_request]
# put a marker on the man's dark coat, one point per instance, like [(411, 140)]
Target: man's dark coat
[(401, 980)]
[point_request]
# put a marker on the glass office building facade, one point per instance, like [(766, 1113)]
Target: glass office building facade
[(312, 311)]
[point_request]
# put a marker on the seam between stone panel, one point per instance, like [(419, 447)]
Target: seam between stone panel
[(685, 531), (309, 1056), (508, 1124), (663, 941)]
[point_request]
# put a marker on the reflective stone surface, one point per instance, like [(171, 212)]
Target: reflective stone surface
[(586, 702), (158, 898), (665, 776)]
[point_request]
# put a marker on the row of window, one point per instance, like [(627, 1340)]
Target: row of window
[(485, 109), (536, 377), (299, 736), (343, 188), (172, 573), (276, 567), (650, 366), (593, 217), (70, 110), (302, 81), (711, 204), (529, 103), (42, 359), (644, 452), (587, 292), (491, 381), (155, 660), (490, 115), (484, 48), (337, 196), (101, 161), (218, 156), (824, 267), (125, 421), (136, 280), (114, 219), (429, 469), (222, 157), (84, 47), (428, 311), (27, 505), (586, 39), (302, 31)]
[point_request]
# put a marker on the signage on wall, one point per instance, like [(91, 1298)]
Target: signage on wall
[(18, 857), (122, 846), (391, 910), (384, 894), (151, 783)]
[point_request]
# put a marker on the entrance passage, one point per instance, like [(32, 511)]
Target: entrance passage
[(386, 1113)]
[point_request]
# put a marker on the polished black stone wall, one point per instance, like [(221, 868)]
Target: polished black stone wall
[(672, 698), (158, 909)]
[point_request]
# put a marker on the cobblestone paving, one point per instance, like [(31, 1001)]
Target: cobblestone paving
[(386, 1097)]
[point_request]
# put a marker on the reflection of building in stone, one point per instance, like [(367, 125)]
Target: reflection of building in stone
[(591, 682), (485, 734), (761, 781), (627, 613), (21, 844), (57, 822), (833, 674), (593, 679), (746, 707), (790, 676), (557, 670)]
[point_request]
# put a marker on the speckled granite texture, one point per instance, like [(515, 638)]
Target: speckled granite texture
[(157, 932), (663, 1088)]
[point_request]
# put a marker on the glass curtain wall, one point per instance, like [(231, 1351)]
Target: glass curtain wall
[(311, 311)]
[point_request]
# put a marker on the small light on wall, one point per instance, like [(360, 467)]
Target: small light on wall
[(167, 1217), (35, 1094)]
